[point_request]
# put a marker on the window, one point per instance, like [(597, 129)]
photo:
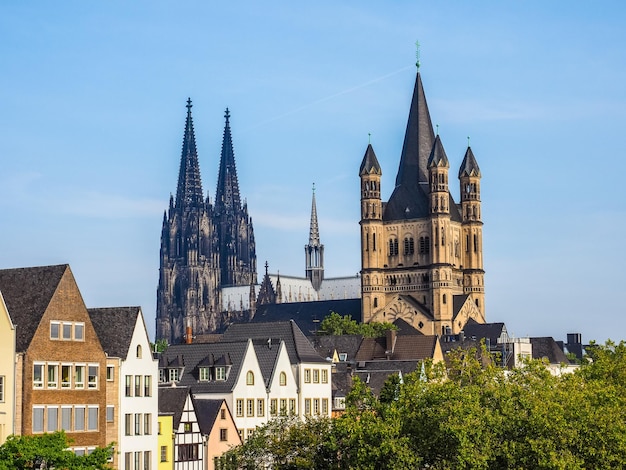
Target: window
[(260, 407), (147, 386), (110, 413), (239, 407), (273, 407), (307, 376), (92, 418), (444, 299), (203, 374), (163, 453), (38, 376), (187, 427), (222, 413), (325, 406), (137, 460), (223, 434), (173, 375), (79, 376), (147, 423), (187, 452), (92, 379), (159, 427), (129, 386), (307, 406), (138, 385), (250, 407), (79, 331), (55, 327), (53, 419), (79, 418), (139, 351), (66, 418), (66, 376), (220, 373), (147, 459), (316, 406), (292, 406), (283, 406), (324, 376), (250, 378), (110, 373), (424, 245), (53, 375), (38, 412), (316, 376), (393, 247), (137, 424), (161, 375), (67, 331), (283, 379), (128, 460)]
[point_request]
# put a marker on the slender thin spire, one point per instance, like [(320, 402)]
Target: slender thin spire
[(314, 231), (227, 194), (189, 192), (418, 140)]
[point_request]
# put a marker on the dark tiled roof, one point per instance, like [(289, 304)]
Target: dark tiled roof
[(298, 346), (469, 166), (438, 155), (172, 401), (370, 162), (546, 347), (114, 327), (476, 330), (267, 354), (375, 379), (417, 305), (457, 303), (404, 328), (307, 315), (327, 344), (406, 348), (27, 293), (206, 413), (193, 354), (341, 379)]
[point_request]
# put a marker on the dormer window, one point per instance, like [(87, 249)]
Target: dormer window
[(220, 373), (203, 374), (173, 375), (161, 375)]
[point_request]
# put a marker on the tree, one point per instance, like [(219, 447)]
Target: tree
[(335, 324), (30, 452)]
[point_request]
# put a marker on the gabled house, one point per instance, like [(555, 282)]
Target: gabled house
[(218, 429), (132, 384), (7, 373), (60, 364), (188, 442)]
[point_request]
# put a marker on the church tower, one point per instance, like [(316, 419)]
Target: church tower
[(314, 251), (421, 253), (203, 246)]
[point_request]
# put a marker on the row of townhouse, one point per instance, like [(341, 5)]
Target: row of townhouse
[(89, 372), (258, 371)]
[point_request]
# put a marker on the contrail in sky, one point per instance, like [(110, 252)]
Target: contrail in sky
[(330, 97)]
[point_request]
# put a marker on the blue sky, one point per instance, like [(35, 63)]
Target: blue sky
[(92, 108)]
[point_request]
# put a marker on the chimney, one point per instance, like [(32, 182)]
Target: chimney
[(188, 337), (390, 336)]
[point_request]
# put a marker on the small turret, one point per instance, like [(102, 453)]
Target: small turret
[(438, 166)]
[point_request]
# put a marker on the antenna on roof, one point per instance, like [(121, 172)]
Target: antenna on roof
[(417, 55)]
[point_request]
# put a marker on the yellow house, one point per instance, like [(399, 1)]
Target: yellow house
[(7, 372), (166, 441)]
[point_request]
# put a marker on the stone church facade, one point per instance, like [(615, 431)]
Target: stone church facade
[(204, 246), (421, 252)]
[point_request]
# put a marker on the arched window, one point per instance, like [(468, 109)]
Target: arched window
[(250, 378), (375, 301), (283, 379), (139, 351), (373, 241), (444, 298)]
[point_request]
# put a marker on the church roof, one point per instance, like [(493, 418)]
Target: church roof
[(115, 340), (227, 194), (469, 166), (370, 163), (307, 315), (189, 190), (438, 155), (27, 293)]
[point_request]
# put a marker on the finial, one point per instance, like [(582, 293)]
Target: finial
[(468, 140), (437, 126), (369, 138), (189, 105), (417, 54), (313, 188), (266, 266), (227, 115)]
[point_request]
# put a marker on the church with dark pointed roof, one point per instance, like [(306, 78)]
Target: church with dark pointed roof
[(421, 252), (204, 246)]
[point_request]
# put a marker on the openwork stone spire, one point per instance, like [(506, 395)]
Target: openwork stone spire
[(189, 191), (227, 196)]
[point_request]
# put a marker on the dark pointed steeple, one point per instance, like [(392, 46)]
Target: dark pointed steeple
[(370, 163), (189, 191), (314, 251), (469, 166), (227, 194), (314, 230), (438, 155), (418, 140)]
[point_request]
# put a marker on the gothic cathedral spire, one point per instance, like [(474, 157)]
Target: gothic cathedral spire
[(314, 251), (189, 190)]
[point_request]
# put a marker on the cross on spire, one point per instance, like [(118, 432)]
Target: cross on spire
[(189, 105), (227, 115)]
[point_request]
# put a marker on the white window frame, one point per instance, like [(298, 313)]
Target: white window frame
[(56, 324), (79, 383), (42, 368), (92, 385), (38, 424)]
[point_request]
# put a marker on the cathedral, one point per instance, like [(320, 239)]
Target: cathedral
[(421, 252), (204, 246)]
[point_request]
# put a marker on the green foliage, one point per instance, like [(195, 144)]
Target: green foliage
[(28, 452), (159, 346), (335, 324), (464, 414)]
